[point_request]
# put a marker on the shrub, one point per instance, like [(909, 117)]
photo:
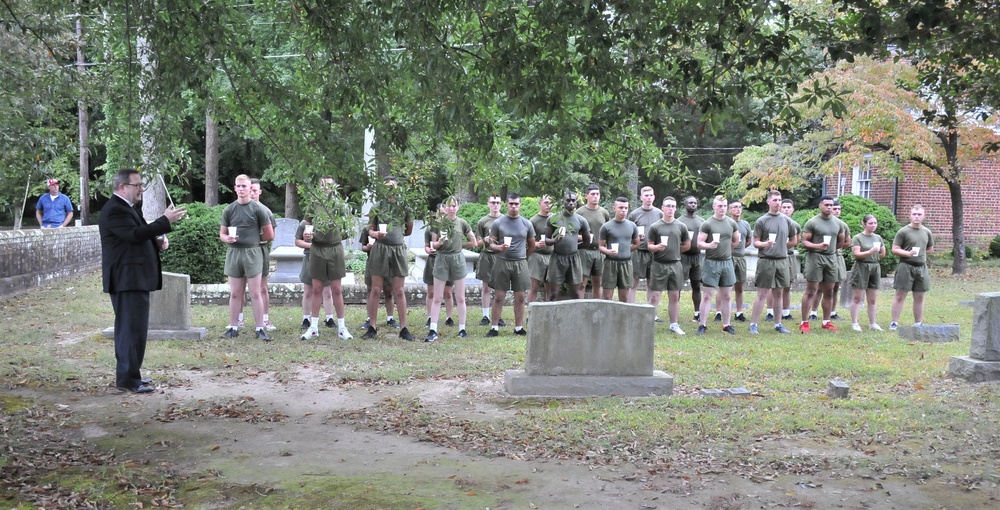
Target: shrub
[(852, 209), (995, 247), (195, 248)]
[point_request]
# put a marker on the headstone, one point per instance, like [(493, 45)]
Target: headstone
[(170, 311), (983, 362), (589, 347), (710, 392), (284, 235), (927, 333), (287, 264), (837, 389), (738, 392)]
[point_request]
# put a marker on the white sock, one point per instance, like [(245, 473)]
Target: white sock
[(918, 323), (265, 318), (495, 328), (486, 313), (434, 326), (786, 312), (770, 311), (340, 324), (305, 316), (241, 316), (314, 323), (388, 319), (461, 327), (330, 316)]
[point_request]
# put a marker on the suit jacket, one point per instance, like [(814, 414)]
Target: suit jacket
[(130, 258)]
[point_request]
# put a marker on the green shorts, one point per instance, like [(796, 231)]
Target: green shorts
[(822, 268), (592, 262), (617, 274), (304, 275), (915, 278), (740, 266), (387, 261), (265, 250), (510, 275), (243, 262), (667, 276), (484, 268), (866, 275), (841, 267), (718, 273), (386, 283), (327, 263), (772, 274), (429, 269), (691, 265), (538, 265), (449, 267), (564, 269), (642, 261), (794, 268)]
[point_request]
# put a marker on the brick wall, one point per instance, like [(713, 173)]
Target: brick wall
[(29, 258), (980, 195)]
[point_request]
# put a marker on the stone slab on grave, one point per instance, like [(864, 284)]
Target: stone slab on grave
[(589, 347), (983, 362), (284, 234), (837, 389), (931, 334), (170, 311)]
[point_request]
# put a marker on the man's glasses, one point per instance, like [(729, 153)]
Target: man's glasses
[(136, 184)]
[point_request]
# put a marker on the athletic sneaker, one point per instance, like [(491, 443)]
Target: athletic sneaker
[(230, 333), (344, 334), (830, 327), (804, 327), (657, 319), (406, 335), (856, 327), (676, 328), (262, 335), (875, 327), (268, 326), (431, 336), (462, 334), (701, 330), (769, 317), (834, 316), (366, 324), (310, 334), (485, 321), (813, 316), (787, 317), (729, 329), (330, 323), (782, 329), (502, 324), (392, 323), (740, 317), (696, 319), (893, 326), (371, 333), (718, 316), (449, 322), (428, 323), (239, 324), (305, 324), (492, 333), (753, 329), (521, 332)]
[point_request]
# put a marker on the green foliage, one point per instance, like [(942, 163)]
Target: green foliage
[(472, 212), (852, 209), (356, 261), (195, 248), (995, 247)]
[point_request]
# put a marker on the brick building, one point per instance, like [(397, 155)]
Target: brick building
[(980, 195)]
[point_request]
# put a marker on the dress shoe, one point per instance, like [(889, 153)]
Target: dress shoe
[(145, 381), (142, 388)]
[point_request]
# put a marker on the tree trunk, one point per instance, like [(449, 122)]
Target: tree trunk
[(959, 263), (211, 161), (291, 201), (154, 196), (83, 129)]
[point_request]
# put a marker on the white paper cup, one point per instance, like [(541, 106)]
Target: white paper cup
[(716, 237), (383, 227), (877, 245), (614, 246), (542, 239), (692, 237), (772, 237), (826, 239), (916, 251), (78, 223), (443, 236), (309, 229), (642, 230), (562, 231), (507, 240), (232, 231)]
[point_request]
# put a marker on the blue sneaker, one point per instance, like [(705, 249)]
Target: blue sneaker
[(753, 329)]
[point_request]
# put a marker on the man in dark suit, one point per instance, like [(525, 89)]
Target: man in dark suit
[(130, 262)]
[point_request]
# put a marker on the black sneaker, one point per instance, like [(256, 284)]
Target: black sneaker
[(428, 323), (432, 336), (305, 324), (392, 323), (406, 335), (367, 324), (262, 335), (787, 317), (741, 318), (449, 322), (371, 333), (492, 333), (521, 332), (230, 333), (718, 316), (657, 320), (463, 334), (770, 317), (813, 317), (485, 321), (330, 323), (834, 316), (502, 324), (729, 329), (696, 319), (701, 330)]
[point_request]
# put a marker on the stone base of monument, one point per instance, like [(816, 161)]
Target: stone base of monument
[(589, 347), (973, 370), (929, 333), (170, 311)]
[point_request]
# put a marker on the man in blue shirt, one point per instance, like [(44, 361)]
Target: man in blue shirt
[(53, 210)]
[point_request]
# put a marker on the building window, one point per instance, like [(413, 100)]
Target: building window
[(861, 184)]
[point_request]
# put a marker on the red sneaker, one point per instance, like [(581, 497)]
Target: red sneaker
[(804, 327), (829, 326)]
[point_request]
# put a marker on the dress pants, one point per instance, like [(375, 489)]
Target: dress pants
[(131, 327)]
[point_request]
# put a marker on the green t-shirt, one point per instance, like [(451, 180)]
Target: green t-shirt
[(621, 232), (541, 224), (396, 228), (867, 242), (574, 225), (909, 238), (483, 230), (596, 218), (725, 228), (248, 219), (821, 227), (458, 232), (693, 225), (781, 226), (745, 233), (674, 232), (645, 219)]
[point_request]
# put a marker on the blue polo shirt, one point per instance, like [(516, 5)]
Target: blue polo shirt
[(54, 210)]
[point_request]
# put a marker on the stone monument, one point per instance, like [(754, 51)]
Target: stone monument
[(983, 362), (589, 347), (170, 311)]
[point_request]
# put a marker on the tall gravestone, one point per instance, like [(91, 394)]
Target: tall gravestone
[(983, 362), (170, 311), (589, 347), (287, 257)]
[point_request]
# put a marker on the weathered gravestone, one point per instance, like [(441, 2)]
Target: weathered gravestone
[(170, 311), (930, 333), (983, 362), (287, 256), (589, 347)]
